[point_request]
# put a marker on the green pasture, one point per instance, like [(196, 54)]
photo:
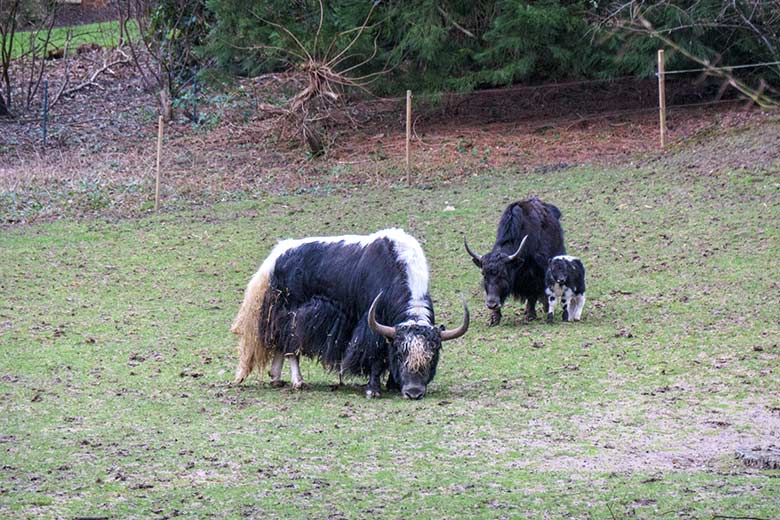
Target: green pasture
[(105, 34), (116, 358)]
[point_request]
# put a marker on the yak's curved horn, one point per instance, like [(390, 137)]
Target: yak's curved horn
[(519, 249), (477, 258), (460, 331), (384, 330)]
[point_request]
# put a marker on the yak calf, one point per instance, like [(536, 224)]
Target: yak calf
[(565, 282)]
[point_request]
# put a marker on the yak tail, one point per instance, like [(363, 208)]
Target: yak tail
[(252, 351)]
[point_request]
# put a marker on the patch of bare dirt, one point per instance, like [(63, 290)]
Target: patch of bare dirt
[(709, 439), (100, 156)]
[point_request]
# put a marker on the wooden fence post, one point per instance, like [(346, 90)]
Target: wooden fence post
[(45, 109), (408, 133), (159, 152), (662, 96)]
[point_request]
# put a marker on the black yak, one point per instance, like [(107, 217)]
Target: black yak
[(358, 304), (565, 281), (529, 234)]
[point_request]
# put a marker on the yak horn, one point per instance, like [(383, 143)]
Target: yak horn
[(519, 249), (460, 331), (384, 330), (477, 258)]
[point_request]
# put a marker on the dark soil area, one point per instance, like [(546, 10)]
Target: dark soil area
[(100, 154)]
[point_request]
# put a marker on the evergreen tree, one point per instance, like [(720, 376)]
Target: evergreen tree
[(440, 45)]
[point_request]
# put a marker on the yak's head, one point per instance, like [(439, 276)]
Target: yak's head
[(414, 350), (497, 270), (559, 270)]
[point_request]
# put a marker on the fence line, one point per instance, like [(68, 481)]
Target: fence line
[(174, 129), (709, 69), (519, 88), (606, 115), (616, 113)]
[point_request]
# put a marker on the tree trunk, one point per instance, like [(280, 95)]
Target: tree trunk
[(166, 108), (3, 108)]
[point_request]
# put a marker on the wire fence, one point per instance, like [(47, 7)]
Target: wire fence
[(727, 68), (622, 96)]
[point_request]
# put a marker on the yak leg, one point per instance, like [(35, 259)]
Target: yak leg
[(295, 372), (392, 385), (276, 370), (569, 303), (552, 301), (573, 301), (580, 303), (372, 388), (530, 309), (495, 317)]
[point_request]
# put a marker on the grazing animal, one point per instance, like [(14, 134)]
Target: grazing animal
[(565, 281), (529, 234), (358, 304)]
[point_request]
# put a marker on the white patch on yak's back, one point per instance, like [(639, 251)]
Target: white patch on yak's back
[(409, 253), (412, 256)]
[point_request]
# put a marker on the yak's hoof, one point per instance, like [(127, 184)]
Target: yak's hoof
[(277, 383), (530, 317), (298, 385), (549, 318), (371, 394)]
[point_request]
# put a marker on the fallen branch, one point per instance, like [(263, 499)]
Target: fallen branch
[(106, 67)]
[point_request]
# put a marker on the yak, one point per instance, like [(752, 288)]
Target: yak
[(357, 303), (565, 281), (529, 234)]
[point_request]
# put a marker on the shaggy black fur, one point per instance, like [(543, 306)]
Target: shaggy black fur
[(317, 305), (522, 278)]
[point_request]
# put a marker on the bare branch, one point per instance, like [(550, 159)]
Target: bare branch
[(357, 36), (454, 23), (286, 30), (319, 28), (106, 67)]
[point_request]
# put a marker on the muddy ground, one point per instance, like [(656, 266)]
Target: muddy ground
[(100, 152)]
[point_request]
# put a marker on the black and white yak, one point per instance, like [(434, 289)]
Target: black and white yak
[(529, 234), (358, 304), (565, 282)]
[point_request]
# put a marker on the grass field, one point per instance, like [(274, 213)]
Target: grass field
[(105, 34), (116, 358)]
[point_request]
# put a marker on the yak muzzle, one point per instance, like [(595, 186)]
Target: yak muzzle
[(492, 303), (413, 392)]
